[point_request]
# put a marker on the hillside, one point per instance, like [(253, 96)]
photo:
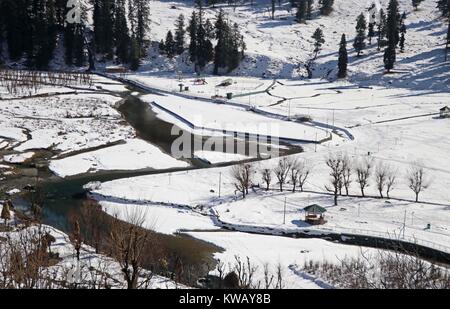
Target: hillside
[(281, 47)]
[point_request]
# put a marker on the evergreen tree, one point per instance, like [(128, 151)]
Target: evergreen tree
[(343, 58), (134, 54), (309, 9), (121, 33), (180, 34), (402, 36), (169, 45), (371, 32), (74, 41), (326, 6), (392, 24), (444, 7), (392, 31), (103, 18), (301, 11), (142, 24), (318, 41), (360, 38), (220, 51), (382, 30), (193, 29), (389, 58)]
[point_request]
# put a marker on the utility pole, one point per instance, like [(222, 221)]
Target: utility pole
[(284, 212), (220, 182), (315, 145), (404, 224)]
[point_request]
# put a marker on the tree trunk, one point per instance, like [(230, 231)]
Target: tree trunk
[(335, 199)]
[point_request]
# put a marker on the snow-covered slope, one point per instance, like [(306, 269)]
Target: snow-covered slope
[(281, 46)]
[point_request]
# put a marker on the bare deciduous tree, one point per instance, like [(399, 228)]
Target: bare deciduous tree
[(417, 179), (242, 177), (391, 180), (363, 171), (129, 242), (335, 163), (267, 177), (381, 177), (304, 171), (294, 172), (282, 171), (346, 173)]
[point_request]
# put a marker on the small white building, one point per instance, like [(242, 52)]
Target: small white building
[(444, 112)]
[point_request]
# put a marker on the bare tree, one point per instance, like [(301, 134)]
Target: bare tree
[(346, 173), (282, 171), (304, 171), (129, 242), (267, 177), (335, 163), (391, 180), (241, 174), (363, 171), (6, 211), (417, 179), (294, 172), (381, 177)]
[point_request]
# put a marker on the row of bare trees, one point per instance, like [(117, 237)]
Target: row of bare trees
[(381, 270), (287, 169), (343, 171), (29, 82)]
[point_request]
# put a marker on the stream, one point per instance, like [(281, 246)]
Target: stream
[(65, 196)]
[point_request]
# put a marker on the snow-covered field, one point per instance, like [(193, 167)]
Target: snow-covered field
[(134, 154), (232, 119), (275, 251)]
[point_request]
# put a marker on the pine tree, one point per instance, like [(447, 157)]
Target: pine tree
[(392, 30), (360, 38), (382, 30), (193, 29), (142, 25), (309, 9), (392, 24), (371, 32), (343, 58), (180, 34), (220, 51), (169, 45), (444, 7), (121, 33), (318, 41), (389, 58), (326, 7), (134, 54), (402, 36), (301, 11)]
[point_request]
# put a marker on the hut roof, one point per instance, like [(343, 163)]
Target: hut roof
[(315, 209), (445, 108)]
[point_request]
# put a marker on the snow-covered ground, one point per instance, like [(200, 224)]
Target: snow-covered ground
[(288, 253), (134, 154), (281, 47), (205, 115)]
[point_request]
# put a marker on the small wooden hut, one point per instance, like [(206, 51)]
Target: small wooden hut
[(314, 214)]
